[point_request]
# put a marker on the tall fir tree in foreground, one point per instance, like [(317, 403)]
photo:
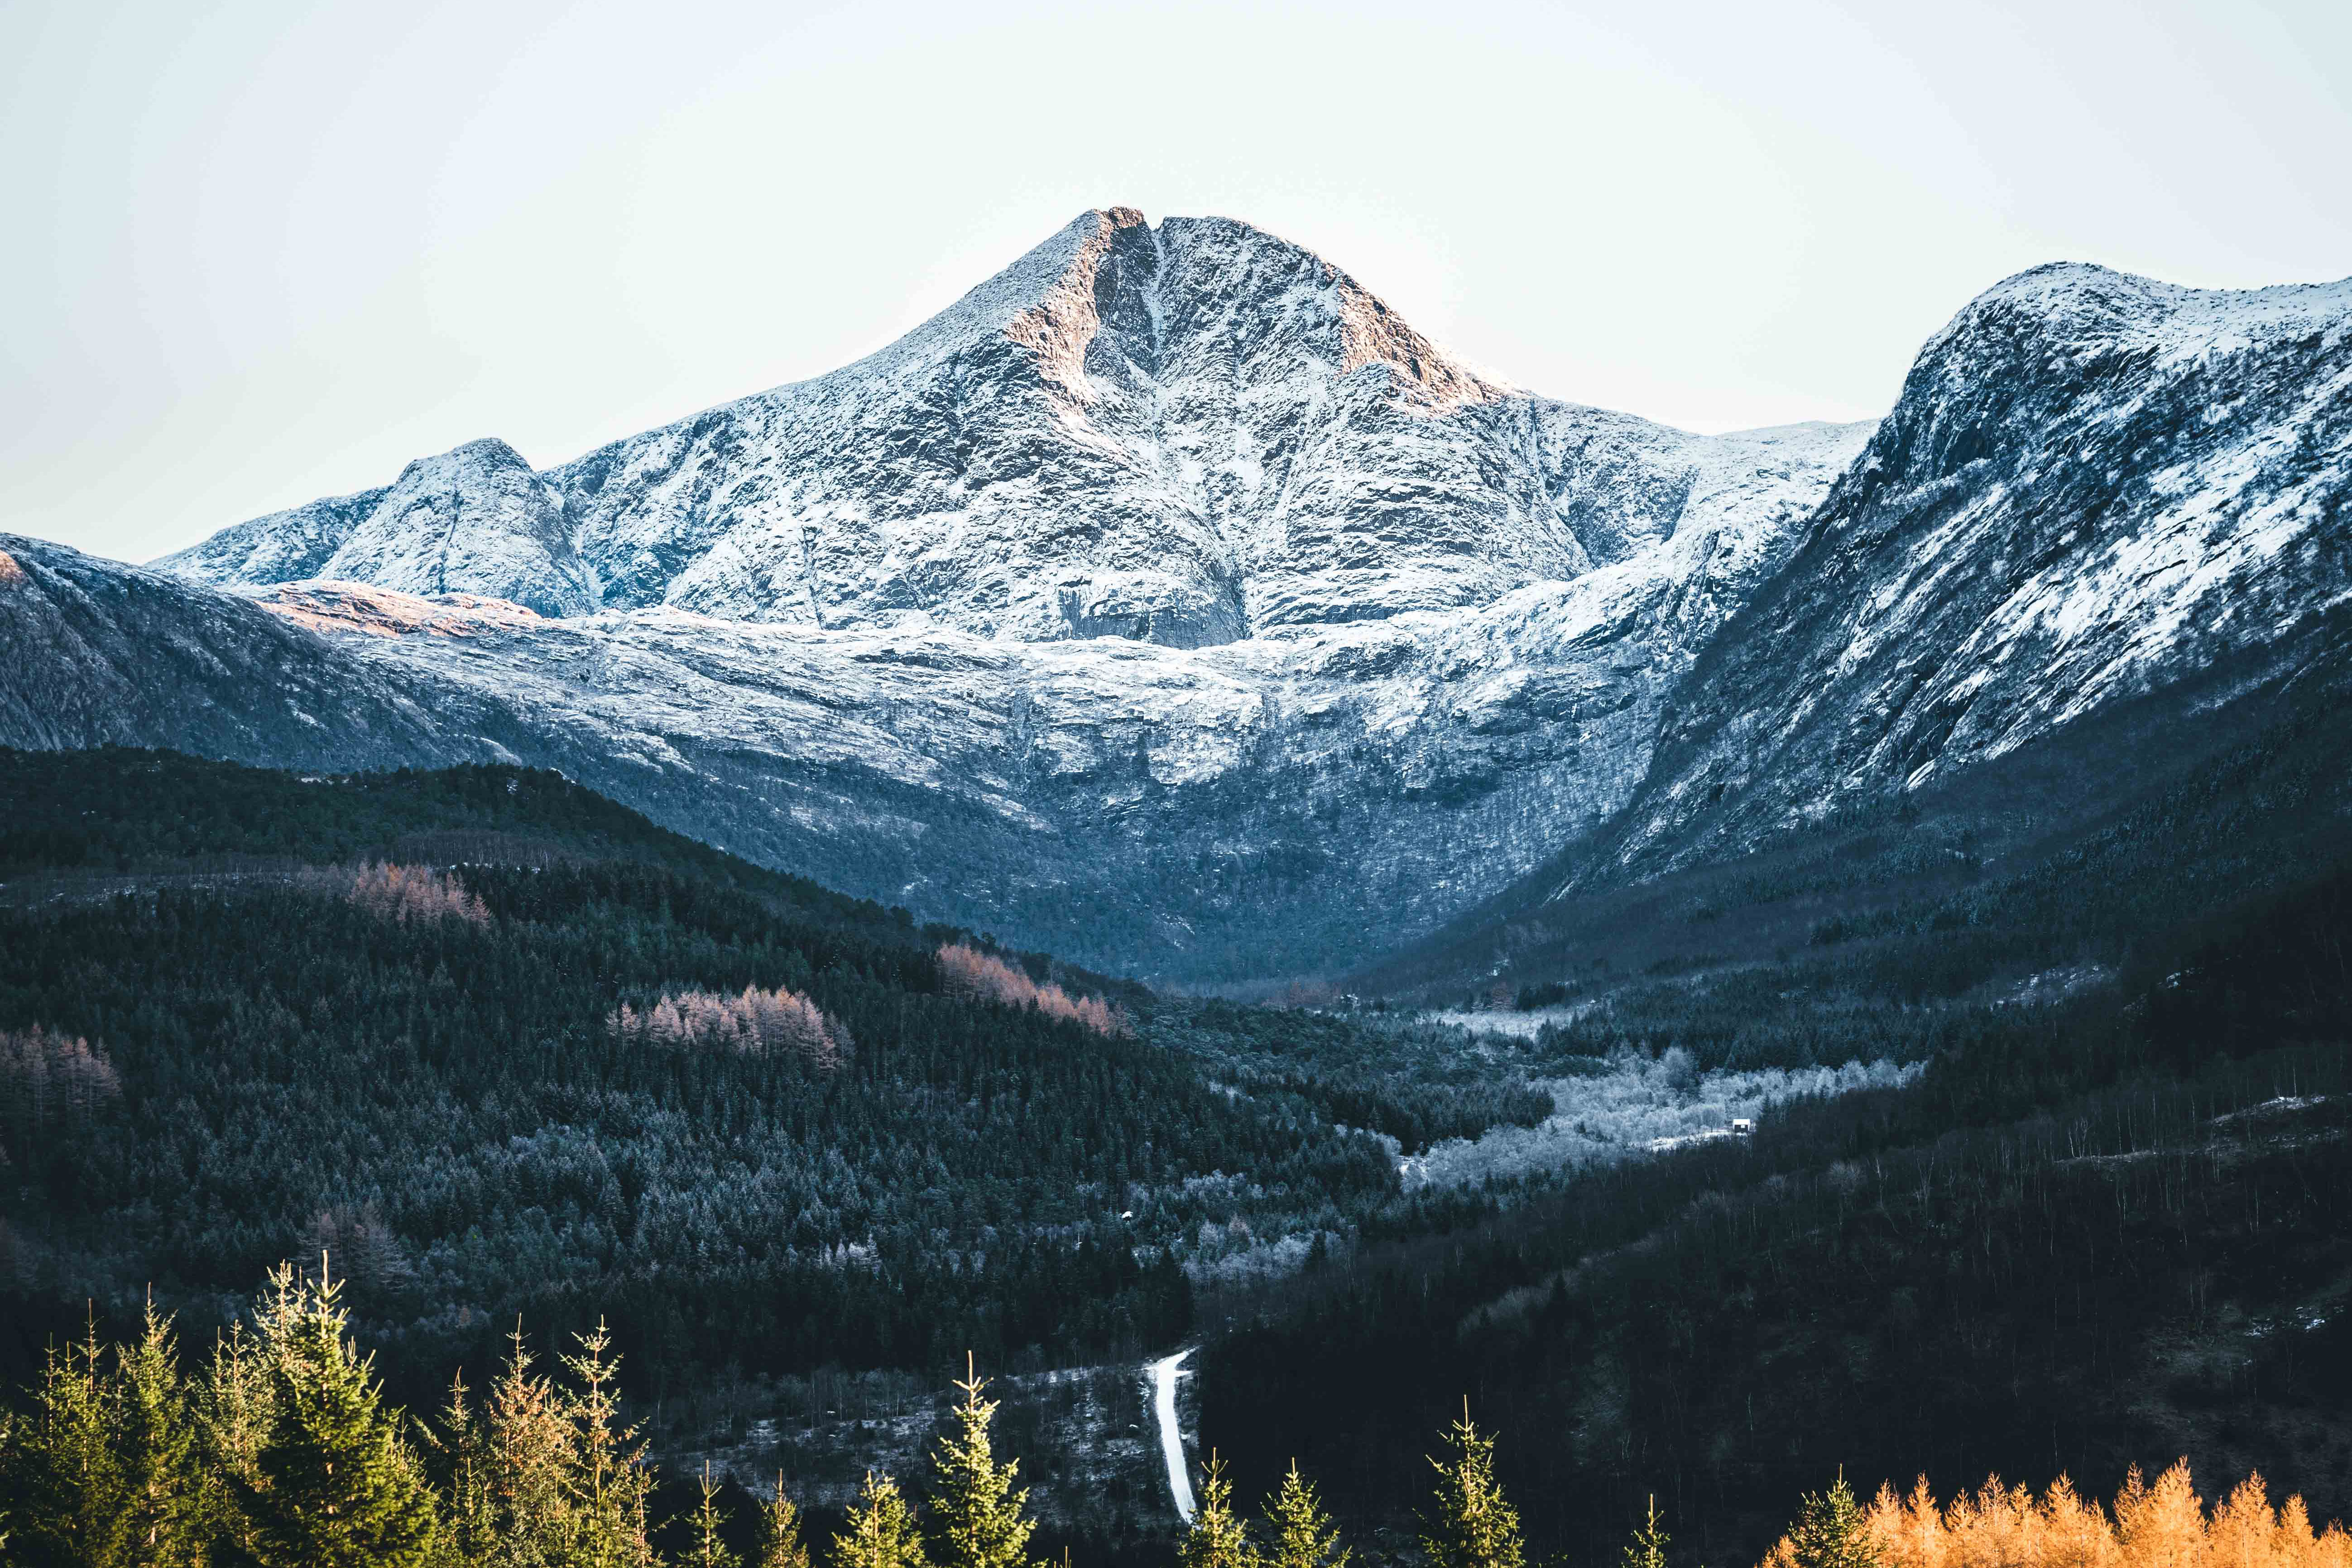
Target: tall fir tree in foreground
[(1300, 1534), (976, 1517), (1648, 1547), (1830, 1531), (781, 1545), (1471, 1524), (707, 1551), (1219, 1537), (338, 1487), (881, 1532)]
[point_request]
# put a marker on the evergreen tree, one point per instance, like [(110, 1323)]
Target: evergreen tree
[(233, 1415), (157, 1441), (611, 1482), (1830, 1531), (1219, 1537), (709, 1550), (1648, 1547), (1303, 1535), (339, 1489), (468, 1528), (66, 1477), (1473, 1525), (976, 1513), (881, 1532), (529, 1470), (780, 1533)]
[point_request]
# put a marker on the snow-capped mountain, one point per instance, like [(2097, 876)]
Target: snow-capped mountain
[(1170, 602), (2093, 489), (1186, 435)]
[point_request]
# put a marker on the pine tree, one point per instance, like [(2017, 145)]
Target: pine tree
[(881, 1530), (1648, 1547), (1473, 1525), (1302, 1533), (976, 1513), (528, 1468), (468, 1530), (338, 1488), (611, 1483), (780, 1533), (157, 1441), (1219, 1537), (1830, 1531), (234, 1413), (709, 1550), (66, 1478)]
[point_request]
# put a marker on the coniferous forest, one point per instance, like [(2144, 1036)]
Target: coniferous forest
[(456, 1139)]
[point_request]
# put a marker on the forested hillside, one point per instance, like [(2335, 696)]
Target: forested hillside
[(2098, 1232), (558, 1062)]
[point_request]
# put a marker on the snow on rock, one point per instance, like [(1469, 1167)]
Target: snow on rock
[(1168, 602), (2094, 486), (473, 520)]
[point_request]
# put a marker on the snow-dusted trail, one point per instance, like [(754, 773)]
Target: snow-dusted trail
[(1164, 1373)]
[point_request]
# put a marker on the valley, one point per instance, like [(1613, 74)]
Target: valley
[(1168, 844)]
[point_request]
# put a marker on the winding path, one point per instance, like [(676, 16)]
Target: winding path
[(1164, 1373)]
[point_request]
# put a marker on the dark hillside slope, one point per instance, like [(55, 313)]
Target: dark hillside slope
[(2107, 1231), (284, 1057), (2059, 856)]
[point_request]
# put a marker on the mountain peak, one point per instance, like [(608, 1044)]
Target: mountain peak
[(1183, 433)]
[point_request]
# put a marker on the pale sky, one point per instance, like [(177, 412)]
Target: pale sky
[(261, 252)]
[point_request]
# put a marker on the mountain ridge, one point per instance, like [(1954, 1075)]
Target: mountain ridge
[(1168, 602)]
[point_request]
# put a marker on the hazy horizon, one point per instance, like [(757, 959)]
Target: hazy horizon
[(276, 255)]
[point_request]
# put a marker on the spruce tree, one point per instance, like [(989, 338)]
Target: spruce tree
[(1219, 1537), (65, 1479), (707, 1550), (468, 1531), (234, 1413), (1473, 1525), (611, 1483), (157, 1442), (780, 1533), (1648, 1547), (881, 1530), (1830, 1531), (338, 1487), (1302, 1535), (528, 1467), (976, 1513)]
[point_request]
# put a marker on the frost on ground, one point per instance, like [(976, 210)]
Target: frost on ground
[(1643, 1106)]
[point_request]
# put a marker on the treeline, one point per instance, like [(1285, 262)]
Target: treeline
[(939, 1172), (282, 1450), (2095, 1230)]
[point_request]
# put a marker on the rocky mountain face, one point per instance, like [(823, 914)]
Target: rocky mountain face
[(100, 653), (1170, 602), (1186, 435), (1167, 600), (2095, 489)]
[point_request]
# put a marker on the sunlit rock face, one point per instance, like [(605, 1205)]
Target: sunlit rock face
[(1170, 602), (2093, 489), (1186, 435), (1167, 600)]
